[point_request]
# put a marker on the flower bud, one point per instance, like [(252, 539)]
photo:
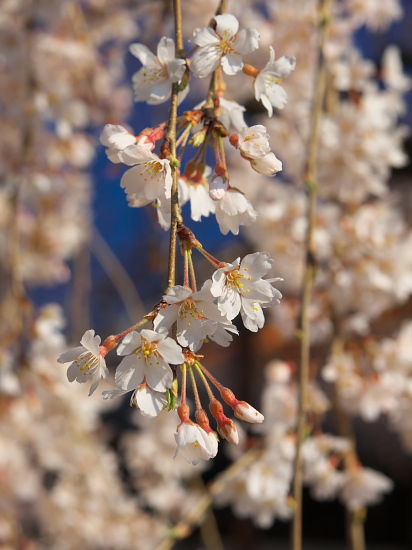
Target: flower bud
[(246, 412), (267, 165)]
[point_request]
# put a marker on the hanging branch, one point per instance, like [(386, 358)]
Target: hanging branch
[(170, 139), (310, 175)]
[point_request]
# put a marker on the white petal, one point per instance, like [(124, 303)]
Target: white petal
[(91, 342), (150, 402), (171, 351), (129, 344), (159, 376), (232, 63), (247, 41), (144, 55), (130, 372), (226, 25), (205, 61), (166, 50), (71, 354), (205, 37)]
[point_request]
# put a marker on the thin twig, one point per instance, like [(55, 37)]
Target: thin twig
[(304, 324)]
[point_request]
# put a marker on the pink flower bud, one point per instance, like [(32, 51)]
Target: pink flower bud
[(246, 412)]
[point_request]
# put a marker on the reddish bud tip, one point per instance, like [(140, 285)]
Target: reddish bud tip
[(183, 411), (234, 140)]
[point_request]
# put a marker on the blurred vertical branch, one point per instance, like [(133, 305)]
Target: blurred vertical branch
[(354, 519), (310, 176)]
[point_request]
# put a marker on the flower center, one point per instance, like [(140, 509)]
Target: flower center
[(155, 75), (87, 361), (153, 168), (225, 45), (148, 349), (188, 307), (233, 280)]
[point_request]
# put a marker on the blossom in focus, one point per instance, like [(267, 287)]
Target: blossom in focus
[(267, 83), (147, 357), (268, 165), (116, 138), (153, 82), (232, 208), (194, 443), (253, 142), (223, 46), (195, 313), (149, 180), (148, 401), (239, 287), (86, 361), (193, 187)]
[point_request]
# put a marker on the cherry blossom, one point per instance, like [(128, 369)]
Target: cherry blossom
[(86, 361), (232, 207), (239, 287), (194, 443), (148, 401), (153, 82), (149, 180), (193, 187), (195, 313), (253, 142), (148, 355), (116, 138), (223, 46), (267, 83)]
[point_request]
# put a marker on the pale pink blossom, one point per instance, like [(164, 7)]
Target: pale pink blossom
[(193, 443), (153, 82), (267, 83), (86, 361), (147, 357), (223, 46)]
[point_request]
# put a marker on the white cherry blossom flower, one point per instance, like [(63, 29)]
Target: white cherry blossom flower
[(268, 165), (223, 46), (86, 361), (149, 180), (253, 142), (116, 138), (148, 401), (267, 83), (232, 207), (148, 354), (153, 82), (194, 188), (193, 313), (194, 443), (239, 287)]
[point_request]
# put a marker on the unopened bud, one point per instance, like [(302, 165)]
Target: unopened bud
[(183, 411), (246, 412)]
